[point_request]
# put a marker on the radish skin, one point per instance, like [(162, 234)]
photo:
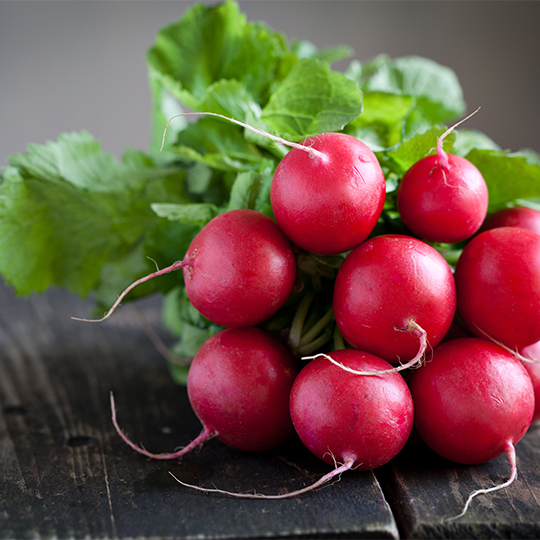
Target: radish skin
[(498, 286), (518, 216), (443, 197), (349, 422), (473, 402), (330, 204), (341, 416), (531, 357), (390, 282), (238, 270), (238, 386)]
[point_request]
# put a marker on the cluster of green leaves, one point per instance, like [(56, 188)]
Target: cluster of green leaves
[(73, 216)]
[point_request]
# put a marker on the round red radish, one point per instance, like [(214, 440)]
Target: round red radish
[(356, 419), (239, 385), (239, 269), (384, 284), (328, 202), (498, 286), (518, 216), (443, 203), (532, 352), (471, 400)]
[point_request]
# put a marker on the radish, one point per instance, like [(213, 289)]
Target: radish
[(348, 421), (238, 386), (327, 192), (330, 202), (443, 197), (362, 421), (498, 286), (473, 402), (518, 216), (532, 352), (392, 283), (238, 271)]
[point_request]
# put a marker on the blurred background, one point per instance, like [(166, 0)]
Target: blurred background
[(80, 64)]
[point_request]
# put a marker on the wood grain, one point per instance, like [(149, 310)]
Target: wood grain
[(66, 474)]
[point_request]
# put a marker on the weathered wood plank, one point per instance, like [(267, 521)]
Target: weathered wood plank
[(425, 489), (66, 474)]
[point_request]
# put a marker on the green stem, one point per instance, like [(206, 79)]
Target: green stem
[(339, 342), (313, 332), (316, 344), (297, 325)]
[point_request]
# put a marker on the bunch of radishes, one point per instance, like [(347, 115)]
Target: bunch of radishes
[(395, 300)]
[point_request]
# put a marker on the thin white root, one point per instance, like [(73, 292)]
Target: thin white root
[(205, 435), (311, 151), (413, 328), (348, 465), (175, 266), (443, 158), (511, 454), (513, 352)]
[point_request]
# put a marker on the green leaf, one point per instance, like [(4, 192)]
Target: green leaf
[(468, 139), (164, 107), (509, 177), (211, 43), (252, 190), (435, 88), (190, 213), (229, 98), (67, 209), (381, 123), (311, 100), (415, 148), (218, 144), (165, 244), (306, 49)]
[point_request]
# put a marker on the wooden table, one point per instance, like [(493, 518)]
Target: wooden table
[(65, 473)]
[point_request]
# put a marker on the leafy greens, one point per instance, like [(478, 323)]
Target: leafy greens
[(73, 216)]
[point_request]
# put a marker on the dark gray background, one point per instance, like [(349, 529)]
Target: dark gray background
[(72, 65)]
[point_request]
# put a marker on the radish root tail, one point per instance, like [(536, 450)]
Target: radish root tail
[(311, 151), (511, 454), (348, 465), (174, 266), (412, 328), (205, 435), (513, 352)]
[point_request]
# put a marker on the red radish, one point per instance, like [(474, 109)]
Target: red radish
[(361, 420), (238, 386), (239, 269), (392, 283), (348, 421), (443, 197), (498, 286), (330, 202), (518, 216), (327, 193), (473, 402), (532, 352)]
